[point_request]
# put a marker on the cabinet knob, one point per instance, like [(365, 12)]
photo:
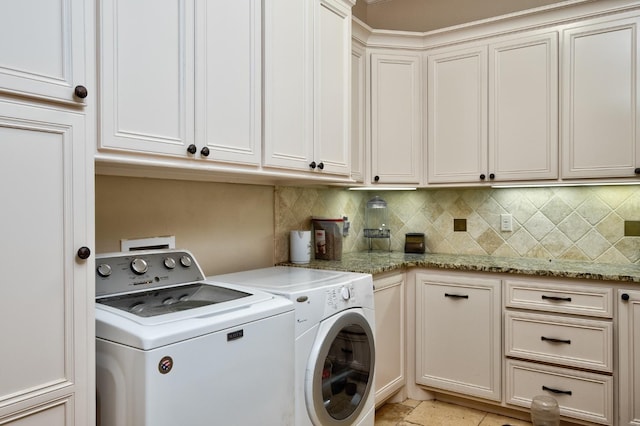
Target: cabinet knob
[(492, 176), (84, 253), (625, 297), (205, 152), (81, 92), (312, 164), (321, 165), (192, 149), (376, 178), (482, 177), (637, 171)]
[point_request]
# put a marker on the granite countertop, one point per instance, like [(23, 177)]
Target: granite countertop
[(379, 261)]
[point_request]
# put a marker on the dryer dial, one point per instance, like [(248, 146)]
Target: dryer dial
[(139, 266), (345, 292)]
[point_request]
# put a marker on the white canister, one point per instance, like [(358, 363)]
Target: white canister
[(300, 246)]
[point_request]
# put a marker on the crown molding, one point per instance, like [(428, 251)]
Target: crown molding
[(546, 16)]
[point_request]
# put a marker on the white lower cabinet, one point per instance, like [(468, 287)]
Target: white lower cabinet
[(559, 342), (629, 356), (580, 395), (458, 333), (389, 298)]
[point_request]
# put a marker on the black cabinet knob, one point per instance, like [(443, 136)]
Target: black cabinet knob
[(492, 176), (84, 253), (625, 297), (321, 166), (205, 152), (81, 92), (376, 178), (312, 164), (637, 171), (192, 149), (482, 177)]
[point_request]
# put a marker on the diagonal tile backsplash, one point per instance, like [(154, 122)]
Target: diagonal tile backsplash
[(579, 223)]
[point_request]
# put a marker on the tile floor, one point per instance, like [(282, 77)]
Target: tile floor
[(437, 413)]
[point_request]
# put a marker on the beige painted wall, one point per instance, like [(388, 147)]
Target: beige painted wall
[(428, 15), (228, 227)]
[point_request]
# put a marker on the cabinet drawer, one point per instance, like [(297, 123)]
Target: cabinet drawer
[(567, 341), (580, 395), (559, 297)]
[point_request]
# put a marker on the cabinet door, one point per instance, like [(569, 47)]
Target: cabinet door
[(629, 356), (43, 48), (358, 110), (46, 310), (332, 94), (389, 299), (457, 115), (146, 75), (523, 108), (458, 334), (601, 114), (228, 80), (288, 90), (396, 142)]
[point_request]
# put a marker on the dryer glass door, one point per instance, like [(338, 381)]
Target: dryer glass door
[(343, 373)]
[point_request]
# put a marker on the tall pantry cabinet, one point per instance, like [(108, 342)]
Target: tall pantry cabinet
[(46, 170)]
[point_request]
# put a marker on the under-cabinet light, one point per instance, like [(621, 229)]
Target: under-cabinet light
[(562, 184), (381, 188)]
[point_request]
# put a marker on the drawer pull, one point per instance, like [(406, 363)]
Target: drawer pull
[(551, 339), (556, 298), (456, 296), (545, 388)]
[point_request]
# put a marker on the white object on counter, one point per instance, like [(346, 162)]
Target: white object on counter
[(300, 246)]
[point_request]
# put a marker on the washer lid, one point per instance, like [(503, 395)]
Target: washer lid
[(173, 299)]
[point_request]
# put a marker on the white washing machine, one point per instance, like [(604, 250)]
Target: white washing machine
[(175, 349), (334, 340)]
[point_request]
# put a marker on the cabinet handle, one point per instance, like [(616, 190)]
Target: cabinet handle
[(545, 388), (492, 176), (456, 296), (84, 253), (637, 171), (556, 298), (312, 165), (81, 92), (376, 178), (551, 339), (482, 177), (625, 297), (205, 151), (321, 165), (192, 149)]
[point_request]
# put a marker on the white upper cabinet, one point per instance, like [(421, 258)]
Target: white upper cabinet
[(457, 115), (492, 111), (155, 57), (523, 108), (396, 125), (228, 80), (307, 76), (146, 75), (601, 114), (43, 49)]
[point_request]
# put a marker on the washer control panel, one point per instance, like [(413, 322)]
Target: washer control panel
[(128, 272), (340, 298)]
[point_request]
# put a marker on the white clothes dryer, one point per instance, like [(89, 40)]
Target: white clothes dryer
[(334, 340)]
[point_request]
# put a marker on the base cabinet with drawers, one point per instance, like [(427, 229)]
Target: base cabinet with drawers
[(558, 341), (629, 356)]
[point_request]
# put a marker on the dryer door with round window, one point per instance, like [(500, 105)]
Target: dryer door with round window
[(340, 371)]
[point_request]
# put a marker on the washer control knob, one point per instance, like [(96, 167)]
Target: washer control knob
[(104, 270), (169, 262), (139, 266), (345, 293), (186, 261)]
